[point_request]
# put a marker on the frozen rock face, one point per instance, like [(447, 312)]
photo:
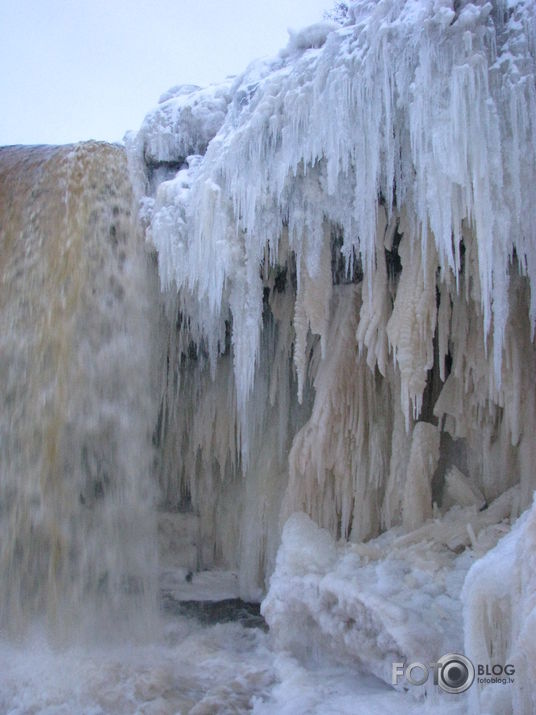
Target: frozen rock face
[(186, 119), (419, 106), (350, 269)]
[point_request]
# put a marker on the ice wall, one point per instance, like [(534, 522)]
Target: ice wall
[(423, 107), (499, 612), (346, 235), (77, 368), (397, 597)]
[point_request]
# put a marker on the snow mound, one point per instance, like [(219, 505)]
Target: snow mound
[(312, 37), (184, 122)]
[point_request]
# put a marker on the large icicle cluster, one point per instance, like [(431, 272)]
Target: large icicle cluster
[(346, 235), (428, 108)]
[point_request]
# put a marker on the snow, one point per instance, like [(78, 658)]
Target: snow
[(186, 119), (186, 585), (311, 37)]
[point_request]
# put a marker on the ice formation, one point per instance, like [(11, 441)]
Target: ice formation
[(371, 604), (334, 390), (346, 244), (500, 613)]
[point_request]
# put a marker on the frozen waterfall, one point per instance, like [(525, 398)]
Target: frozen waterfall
[(328, 404), (346, 234)]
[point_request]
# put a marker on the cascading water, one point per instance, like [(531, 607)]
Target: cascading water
[(77, 525)]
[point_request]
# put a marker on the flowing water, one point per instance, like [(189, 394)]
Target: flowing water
[(77, 526), (81, 628)]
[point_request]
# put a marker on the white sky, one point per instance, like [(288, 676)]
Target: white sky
[(91, 69)]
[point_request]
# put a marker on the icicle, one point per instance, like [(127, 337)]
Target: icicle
[(338, 459), (411, 326), (430, 104), (423, 459), (376, 308), (408, 135), (312, 307)]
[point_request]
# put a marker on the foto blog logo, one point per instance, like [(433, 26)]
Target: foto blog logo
[(453, 672)]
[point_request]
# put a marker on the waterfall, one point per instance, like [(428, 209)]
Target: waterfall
[(77, 336), (324, 396)]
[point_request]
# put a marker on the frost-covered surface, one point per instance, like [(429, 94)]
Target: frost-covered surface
[(499, 597), (349, 268), (401, 145), (429, 107), (396, 598), (186, 119)]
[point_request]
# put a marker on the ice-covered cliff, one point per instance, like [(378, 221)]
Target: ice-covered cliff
[(346, 240)]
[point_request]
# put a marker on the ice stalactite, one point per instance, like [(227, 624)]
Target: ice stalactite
[(422, 464), (412, 324), (339, 459), (200, 436), (433, 91), (293, 144), (312, 308)]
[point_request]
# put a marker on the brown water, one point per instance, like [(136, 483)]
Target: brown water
[(77, 532)]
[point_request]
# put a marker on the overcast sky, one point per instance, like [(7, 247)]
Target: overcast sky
[(91, 69)]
